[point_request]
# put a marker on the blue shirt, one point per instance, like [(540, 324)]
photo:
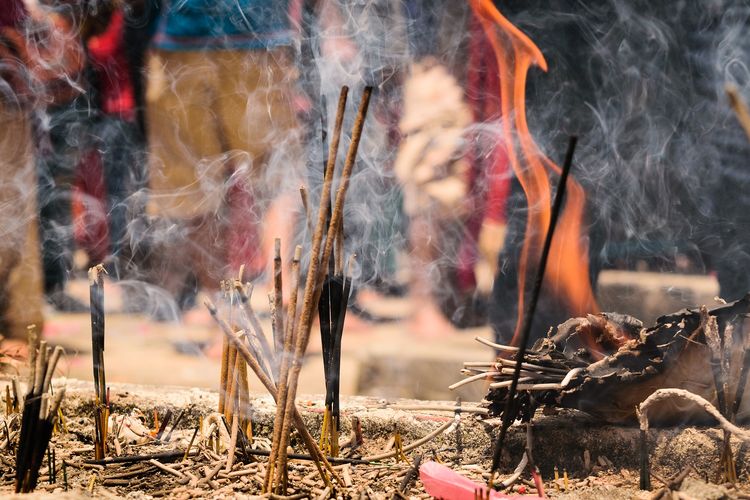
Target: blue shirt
[(223, 24)]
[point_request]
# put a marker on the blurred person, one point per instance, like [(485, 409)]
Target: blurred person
[(57, 36), (358, 44), (20, 263), (433, 173), (222, 142), (109, 179)]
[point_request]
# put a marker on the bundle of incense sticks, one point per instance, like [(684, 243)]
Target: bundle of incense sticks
[(234, 390), (332, 308), (101, 402), (252, 347), (40, 410), (314, 284)]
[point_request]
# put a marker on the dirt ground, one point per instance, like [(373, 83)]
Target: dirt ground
[(600, 461)]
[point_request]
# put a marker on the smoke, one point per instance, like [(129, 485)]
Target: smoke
[(660, 156), (642, 85)]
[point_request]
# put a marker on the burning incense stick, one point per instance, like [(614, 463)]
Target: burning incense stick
[(315, 277), (308, 303), (509, 412), (96, 293)]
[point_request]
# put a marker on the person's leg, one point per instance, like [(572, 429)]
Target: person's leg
[(186, 172), (426, 237), (20, 264), (259, 128), (121, 160), (62, 138)]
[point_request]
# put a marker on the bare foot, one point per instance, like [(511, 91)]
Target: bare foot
[(428, 322), (17, 349)]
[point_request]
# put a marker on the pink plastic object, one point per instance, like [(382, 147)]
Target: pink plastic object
[(441, 482)]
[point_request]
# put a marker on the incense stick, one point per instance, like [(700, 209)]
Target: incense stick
[(509, 411), (302, 332), (739, 107), (96, 294), (271, 388), (284, 369), (277, 311), (314, 277)]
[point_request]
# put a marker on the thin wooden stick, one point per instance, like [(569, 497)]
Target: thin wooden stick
[(528, 315), (277, 311), (739, 107), (254, 327), (271, 388), (306, 205), (284, 368), (313, 286), (223, 375), (96, 294), (312, 273), (231, 383)]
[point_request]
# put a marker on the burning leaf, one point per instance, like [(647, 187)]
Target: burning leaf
[(684, 350)]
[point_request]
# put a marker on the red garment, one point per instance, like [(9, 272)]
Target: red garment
[(89, 207), (489, 179), (483, 94), (12, 14), (107, 57)]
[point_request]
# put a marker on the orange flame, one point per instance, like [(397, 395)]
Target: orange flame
[(567, 273)]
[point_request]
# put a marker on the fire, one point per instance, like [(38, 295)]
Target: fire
[(567, 273)]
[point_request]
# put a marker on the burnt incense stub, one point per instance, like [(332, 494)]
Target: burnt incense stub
[(607, 364)]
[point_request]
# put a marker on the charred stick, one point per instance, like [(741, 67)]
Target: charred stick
[(335, 363), (36, 431), (528, 316), (308, 301), (177, 421), (96, 294), (315, 278), (410, 476), (164, 424), (129, 459)]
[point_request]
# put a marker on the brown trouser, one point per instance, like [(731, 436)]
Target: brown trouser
[(215, 118), (20, 263)]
